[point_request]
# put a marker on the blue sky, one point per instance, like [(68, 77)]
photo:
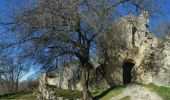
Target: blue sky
[(7, 6)]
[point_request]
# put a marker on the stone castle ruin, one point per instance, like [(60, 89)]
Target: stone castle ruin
[(131, 66), (139, 43)]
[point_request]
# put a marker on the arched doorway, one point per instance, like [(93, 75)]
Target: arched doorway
[(127, 76)]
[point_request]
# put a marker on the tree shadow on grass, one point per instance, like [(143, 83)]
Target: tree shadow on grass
[(103, 94)]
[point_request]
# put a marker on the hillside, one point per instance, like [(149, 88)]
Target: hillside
[(138, 92), (19, 96), (129, 92)]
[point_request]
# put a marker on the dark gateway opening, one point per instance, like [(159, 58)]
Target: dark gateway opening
[(127, 67)]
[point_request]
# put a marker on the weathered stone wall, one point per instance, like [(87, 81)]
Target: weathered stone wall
[(162, 77), (138, 46), (139, 43), (67, 77)]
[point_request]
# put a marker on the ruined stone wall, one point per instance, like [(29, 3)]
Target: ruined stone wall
[(162, 76), (139, 46), (67, 77), (139, 43)]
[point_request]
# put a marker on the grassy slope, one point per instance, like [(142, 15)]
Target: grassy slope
[(162, 91), (69, 94), (19, 95), (29, 96), (108, 94), (126, 98), (102, 95)]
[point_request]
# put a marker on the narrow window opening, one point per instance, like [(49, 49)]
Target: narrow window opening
[(133, 35), (147, 26)]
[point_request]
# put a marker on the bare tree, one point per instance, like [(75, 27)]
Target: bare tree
[(62, 30), (11, 72)]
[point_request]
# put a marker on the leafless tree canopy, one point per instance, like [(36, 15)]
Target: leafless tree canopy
[(11, 71), (55, 31)]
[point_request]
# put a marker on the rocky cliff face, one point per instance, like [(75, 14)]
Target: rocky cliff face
[(162, 75), (139, 42), (43, 91), (67, 77), (133, 61)]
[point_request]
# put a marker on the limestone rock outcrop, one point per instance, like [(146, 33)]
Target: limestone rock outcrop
[(130, 64), (140, 44), (162, 76), (139, 41)]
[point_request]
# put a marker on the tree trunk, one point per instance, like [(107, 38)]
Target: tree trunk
[(16, 85), (85, 78)]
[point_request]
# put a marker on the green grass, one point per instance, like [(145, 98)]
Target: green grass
[(162, 91), (126, 98), (101, 95), (108, 94), (68, 94), (28, 96), (19, 95)]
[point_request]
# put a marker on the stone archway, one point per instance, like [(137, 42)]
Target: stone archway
[(127, 71)]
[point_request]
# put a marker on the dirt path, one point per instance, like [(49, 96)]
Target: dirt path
[(137, 92)]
